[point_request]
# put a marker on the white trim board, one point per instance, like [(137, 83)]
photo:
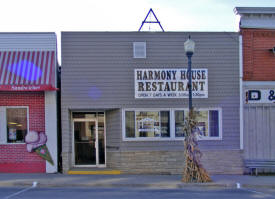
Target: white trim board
[(51, 129), (259, 83)]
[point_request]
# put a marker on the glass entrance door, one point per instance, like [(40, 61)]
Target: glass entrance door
[(88, 143)]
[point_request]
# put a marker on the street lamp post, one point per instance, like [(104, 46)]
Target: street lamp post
[(189, 48), (191, 149)]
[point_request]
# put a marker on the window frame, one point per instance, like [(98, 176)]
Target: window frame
[(172, 124), (204, 137), (3, 131)]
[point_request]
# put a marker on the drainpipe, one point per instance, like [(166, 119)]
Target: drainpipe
[(241, 91)]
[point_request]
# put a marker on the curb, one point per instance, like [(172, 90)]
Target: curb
[(258, 186), (133, 185), (164, 186)]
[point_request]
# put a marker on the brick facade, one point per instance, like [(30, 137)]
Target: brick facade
[(172, 162), (258, 61), (14, 158)]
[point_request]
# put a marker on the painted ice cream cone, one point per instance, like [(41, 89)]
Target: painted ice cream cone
[(37, 142), (43, 152)]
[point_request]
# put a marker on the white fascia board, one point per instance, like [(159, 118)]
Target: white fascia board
[(51, 129)]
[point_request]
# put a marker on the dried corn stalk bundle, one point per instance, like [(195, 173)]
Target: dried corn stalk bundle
[(193, 170)]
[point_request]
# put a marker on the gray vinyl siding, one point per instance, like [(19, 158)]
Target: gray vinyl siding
[(113, 129), (66, 130), (27, 41), (104, 61)]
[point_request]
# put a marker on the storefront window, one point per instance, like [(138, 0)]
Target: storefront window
[(16, 124), (147, 124), (130, 124), (214, 123), (179, 123), (208, 122), (202, 125), (165, 123), (158, 124)]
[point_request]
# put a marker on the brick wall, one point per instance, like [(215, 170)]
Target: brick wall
[(14, 158), (258, 61)]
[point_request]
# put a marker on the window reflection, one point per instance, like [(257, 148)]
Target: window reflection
[(147, 124), (16, 125), (208, 122), (179, 123)]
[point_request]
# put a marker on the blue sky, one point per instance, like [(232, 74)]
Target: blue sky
[(121, 15)]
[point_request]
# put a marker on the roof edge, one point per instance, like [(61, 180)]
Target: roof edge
[(254, 10)]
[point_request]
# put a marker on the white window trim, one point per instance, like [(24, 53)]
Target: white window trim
[(3, 136), (3, 131), (172, 126)]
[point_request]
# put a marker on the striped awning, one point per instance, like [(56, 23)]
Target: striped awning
[(27, 70)]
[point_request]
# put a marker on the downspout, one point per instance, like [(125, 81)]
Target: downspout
[(241, 91)]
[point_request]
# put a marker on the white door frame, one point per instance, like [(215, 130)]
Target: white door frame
[(96, 143)]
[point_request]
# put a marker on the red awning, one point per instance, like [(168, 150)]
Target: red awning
[(27, 70)]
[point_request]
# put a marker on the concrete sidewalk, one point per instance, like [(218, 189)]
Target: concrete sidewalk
[(143, 181)]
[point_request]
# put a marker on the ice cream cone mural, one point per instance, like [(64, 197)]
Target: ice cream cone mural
[(37, 142)]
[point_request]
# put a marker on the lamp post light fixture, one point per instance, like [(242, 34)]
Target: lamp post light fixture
[(189, 48)]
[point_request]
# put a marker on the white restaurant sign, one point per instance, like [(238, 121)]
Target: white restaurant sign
[(170, 83)]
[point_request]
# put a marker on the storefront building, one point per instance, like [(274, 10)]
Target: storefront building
[(124, 97), (257, 30), (28, 121)]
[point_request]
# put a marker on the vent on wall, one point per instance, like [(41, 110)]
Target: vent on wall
[(139, 49)]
